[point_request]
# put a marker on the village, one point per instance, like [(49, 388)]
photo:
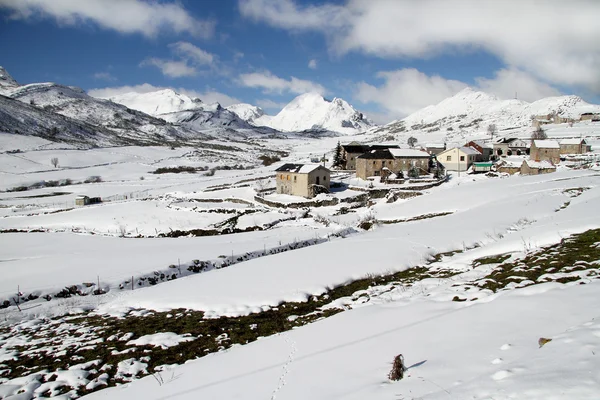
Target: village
[(394, 165)]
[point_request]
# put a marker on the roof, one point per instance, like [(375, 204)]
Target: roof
[(483, 164), (435, 146), (299, 168), (469, 151), (482, 144), (355, 148), (546, 144), (539, 164), (408, 153), (572, 141), (382, 154)]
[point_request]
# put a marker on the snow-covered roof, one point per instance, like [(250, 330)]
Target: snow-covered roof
[(483, 145), (408, 153), (572, 141), (298, 168), (434, 145), (546, 144), (539, 164), (469, 151)]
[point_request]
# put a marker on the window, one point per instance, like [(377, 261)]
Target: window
[(448, 158), (324, 178), (374, 162), (462, 158), (288, 177), (295, 178)]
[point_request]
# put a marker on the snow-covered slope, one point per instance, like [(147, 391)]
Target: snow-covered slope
[(207, 115), (312, 111), (125, 124), (471, 110), (6, 81), (159, 102), (247, 112)]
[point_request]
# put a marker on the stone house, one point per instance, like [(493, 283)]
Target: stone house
[(529, 167), (590, 117), (351, 151), (508, 166), (304, 180), (458, 158), (394, 159), (435, 148), (510, 147), (574, 146), (545, 150)]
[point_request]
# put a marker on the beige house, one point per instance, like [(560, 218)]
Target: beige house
[(304, 180), (351, 151), (590, 117), (394, 159), (545, 150), (458, 158), (574, 146), (530, 167)]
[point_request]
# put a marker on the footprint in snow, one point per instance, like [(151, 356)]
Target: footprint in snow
[(498, 376), (497, 361), (505, 346)]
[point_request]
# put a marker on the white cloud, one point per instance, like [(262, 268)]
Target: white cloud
[(148, 18), (507, 82), (208, 96), (407, 90), (196, 54), (189, 59), (268, 104), (104, 76), (554, 42), (312, 64), (273, 84), (170, 68)]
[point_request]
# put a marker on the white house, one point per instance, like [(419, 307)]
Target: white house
[(458, 158)]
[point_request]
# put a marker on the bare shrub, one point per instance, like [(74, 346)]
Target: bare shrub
[(398, 368), (54, 162)]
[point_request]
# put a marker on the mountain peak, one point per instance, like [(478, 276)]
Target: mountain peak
[(161, 101), (7, 81)]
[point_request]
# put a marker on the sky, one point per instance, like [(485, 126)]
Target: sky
[(388, 58)]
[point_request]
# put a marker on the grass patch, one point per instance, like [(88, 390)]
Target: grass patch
[(497, 259)]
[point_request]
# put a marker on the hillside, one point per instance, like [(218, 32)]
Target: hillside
[(158, 102), (311, 111), (247, 112), (470, 111)]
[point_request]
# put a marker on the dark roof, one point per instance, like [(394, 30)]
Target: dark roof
[(300, 168), (382, 154), (289, 168), (363, 148)]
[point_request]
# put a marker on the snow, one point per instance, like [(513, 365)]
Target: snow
[(469, 151), (540, 164), (570, 141), (308, 168), (546, 144), (247, 112), (408, 153), (163, 340), (157, 102), (312, 111)]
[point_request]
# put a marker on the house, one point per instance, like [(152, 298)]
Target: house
[(530, 167), (435, 148), (508, 166), (590, 117), (458, 158), (82, 200), (395, 159), (574, 146), (510, 146), (351, 151), (486, 149), (306, 180), (545, 150)]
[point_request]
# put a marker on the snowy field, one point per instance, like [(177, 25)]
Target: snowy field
[(202, 242)]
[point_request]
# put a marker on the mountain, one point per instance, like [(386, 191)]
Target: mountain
[(311, 111), (247, 112), (471, 110), (6, 81), (158, 102), (180, 109)]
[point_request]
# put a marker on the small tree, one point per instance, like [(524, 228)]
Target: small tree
[(539, 134), (492, 130), (339, 161), (54, 162), (413, 172), (412, 141)]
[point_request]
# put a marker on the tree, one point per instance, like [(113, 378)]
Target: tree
[(339, 161), (412, 141), (539, 134), (413, 172), (54, 162), (492, 130)]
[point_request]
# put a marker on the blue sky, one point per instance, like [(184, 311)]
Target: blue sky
[(386, 57)]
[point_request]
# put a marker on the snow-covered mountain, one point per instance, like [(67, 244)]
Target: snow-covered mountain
[(311, 111), (158, 102), (471, 110), (247, 112), (6, 81)]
